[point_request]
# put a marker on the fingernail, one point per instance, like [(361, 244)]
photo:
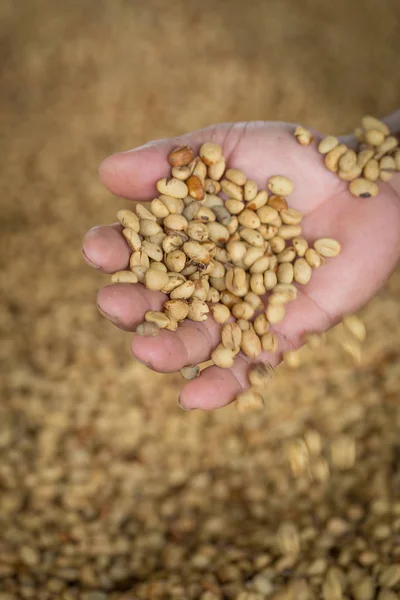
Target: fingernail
[(92, 264), (184, 407), (113, 318)]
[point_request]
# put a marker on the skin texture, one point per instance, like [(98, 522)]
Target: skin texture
[(368, 230)]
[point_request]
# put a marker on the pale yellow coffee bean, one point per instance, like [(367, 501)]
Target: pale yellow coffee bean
[(280, 185), (210, 153), (171, 243), (159, 209), (218, 269), (387, 163), (327, 144), (273, 261), (371, 170), (248, 218), (270, 279), (236, 250), (243, 310), (260, 374), (236, 281), (251, 343), (243, 325), (269, 342), (233, 225), (260, 265), (302, 271), (292, 359), (183, 172), (190, 372), (124, 277), (287, 255), (198, 310), (220, 313), (218, 233), (158, 266), (213, 295), (359, 134), (172, 187), (275, 313), (277, 222), (355, 326), (252, 255), (201, 287), (175, 222), (348, 161), (149, 227), (235, 207), (333, 157), (132, 238), (369, 122), (373, 137), (229, 299), (177, 309), (175, 280), (205, 215), (252, 237), (211, 186), (300, 244), (288, 232), (285, 273), (128, 219), (250, 190), (277, 244), (267, 231), (327, 247), (385, 175), (259, 201), (143, 213), (313, 258), (223, 357), (147, 329), (155, 279), (231, 336), (287, 288), (197, 231), (390, 576), (303, 136), (350, 175), (152, 250), (315, 340), (254, 300), (247, 402), (156, 239), (236, 176), (197, 252), (267, 214), (157, 317), (217, 170), (291, 216), (388, 145), (231, 189), (261, 325), (183, 291), (175, 260), (218, 283), (139, 259), (257, 284), (174, 205), (200, 171), (364, 156), (281, 297)]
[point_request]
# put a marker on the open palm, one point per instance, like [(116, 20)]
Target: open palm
[(367, 229)]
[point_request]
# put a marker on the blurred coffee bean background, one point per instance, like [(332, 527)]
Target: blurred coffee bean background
[(107, 489)]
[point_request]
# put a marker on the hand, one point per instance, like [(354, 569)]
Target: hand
[(368, 230)]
